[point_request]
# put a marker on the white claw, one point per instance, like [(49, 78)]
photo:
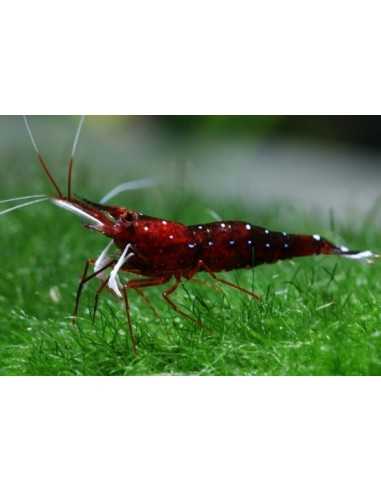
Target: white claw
[(113, 279), (101, 261), (113, 285)]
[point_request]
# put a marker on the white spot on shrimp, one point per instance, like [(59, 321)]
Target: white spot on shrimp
[(210, 243), (249, 242), (208, 231), (170, 236), (232, 242), (229, 226), (285, 245), (267, 231), (164, 222), (316, 237), (223, 225), (267, 245), (284, 233), (146, 228), (191, 245), (248, 227), (199, 227)]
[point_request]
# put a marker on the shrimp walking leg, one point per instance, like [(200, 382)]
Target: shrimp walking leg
[(148, 302), (202, 266), (166, 296), (150, 282), (85, 279), (129, 323), (96, 297)]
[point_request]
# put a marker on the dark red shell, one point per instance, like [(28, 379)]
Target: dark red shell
[(163, 247)]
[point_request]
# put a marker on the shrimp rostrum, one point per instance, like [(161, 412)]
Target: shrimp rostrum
[(159, 251)]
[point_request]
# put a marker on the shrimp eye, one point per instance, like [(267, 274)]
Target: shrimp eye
[(129, 217)]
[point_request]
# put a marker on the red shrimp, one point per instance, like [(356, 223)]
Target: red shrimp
[(160, 250)]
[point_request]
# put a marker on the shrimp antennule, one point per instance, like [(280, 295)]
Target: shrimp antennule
[(21, 198), (136, 184), (21, 205), (41, 159), (71, 160)]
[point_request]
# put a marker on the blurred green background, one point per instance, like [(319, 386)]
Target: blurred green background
[(328, 163), (352, 130)]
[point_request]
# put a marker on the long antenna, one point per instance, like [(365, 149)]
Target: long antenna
[(71, 161), (137, 184), (40, 158), (23, 205), (21, 198)]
